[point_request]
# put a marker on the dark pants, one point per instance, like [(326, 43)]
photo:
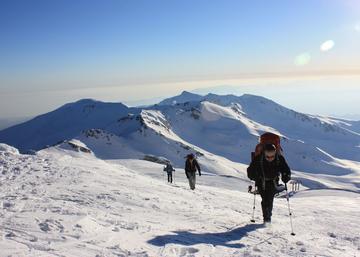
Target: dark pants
[(170, 180), (267, 197), (191, 176)]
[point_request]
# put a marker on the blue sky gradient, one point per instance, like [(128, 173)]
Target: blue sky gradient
[(49, 48)]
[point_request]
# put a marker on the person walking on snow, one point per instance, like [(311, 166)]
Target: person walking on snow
[(169, 170), (191, 165), (264, 170)]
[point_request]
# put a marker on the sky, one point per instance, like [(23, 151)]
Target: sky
[(303, 54)]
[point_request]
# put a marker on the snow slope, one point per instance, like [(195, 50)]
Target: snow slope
[(221, 130), (64, 123), (165, 134), (62, 202), (228, 131), (315, 130), (147, 138)]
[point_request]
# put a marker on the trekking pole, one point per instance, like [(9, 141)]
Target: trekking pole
[(290, 214), (253, 213)]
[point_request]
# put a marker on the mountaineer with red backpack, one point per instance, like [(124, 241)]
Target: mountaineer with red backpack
[(266, 166)]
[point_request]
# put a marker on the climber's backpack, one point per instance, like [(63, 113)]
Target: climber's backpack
[(267, 138)]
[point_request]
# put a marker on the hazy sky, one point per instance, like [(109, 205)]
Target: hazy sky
[(52, 52)]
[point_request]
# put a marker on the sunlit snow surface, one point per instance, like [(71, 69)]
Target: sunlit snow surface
[(66, 203), (90, 192)]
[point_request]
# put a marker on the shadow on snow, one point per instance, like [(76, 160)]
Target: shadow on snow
[(221, 238)]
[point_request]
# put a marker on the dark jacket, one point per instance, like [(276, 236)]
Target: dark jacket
[(169, 168), (192, 167), (262, 170)]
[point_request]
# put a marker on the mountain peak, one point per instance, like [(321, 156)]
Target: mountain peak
[(218, 95), (86, 101), (183, 93), (185, 96), (253, 96), (70, 119)]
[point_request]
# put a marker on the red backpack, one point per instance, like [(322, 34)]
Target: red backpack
[(267, 138)]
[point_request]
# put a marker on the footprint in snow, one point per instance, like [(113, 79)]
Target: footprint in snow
[(256, 249), (105, 197), (44, 227), (128, 226), (155, 207), (115, 229), (21, 234), (7, 205), (10, 235), (50, 224), (332, 235), (184, 251)]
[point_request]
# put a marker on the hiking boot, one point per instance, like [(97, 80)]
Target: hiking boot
[(267, 220)]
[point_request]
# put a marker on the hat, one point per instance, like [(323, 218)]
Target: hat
[(269, 148), (190, 156)]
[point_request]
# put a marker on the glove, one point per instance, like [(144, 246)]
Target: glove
[(285, 178)]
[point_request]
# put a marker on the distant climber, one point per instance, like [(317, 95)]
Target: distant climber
[(191, 166), (265, 169), (169, 170)]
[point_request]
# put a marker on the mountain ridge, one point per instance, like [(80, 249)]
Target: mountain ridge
[(226, 126)]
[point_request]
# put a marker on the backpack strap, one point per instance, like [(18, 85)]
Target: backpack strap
[(262, 170)]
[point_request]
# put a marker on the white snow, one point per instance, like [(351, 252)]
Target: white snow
[(67, 203), (221, 130), (89, 192), (8, 149)]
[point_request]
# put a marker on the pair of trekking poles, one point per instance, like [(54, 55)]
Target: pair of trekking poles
[(288, 202)]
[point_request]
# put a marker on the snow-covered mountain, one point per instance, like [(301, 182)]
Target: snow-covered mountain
[(96, 187), (64, 123), (221, 130), (185, 96)]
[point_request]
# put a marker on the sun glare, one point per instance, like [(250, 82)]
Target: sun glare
[(302, 59), (327, 45)]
